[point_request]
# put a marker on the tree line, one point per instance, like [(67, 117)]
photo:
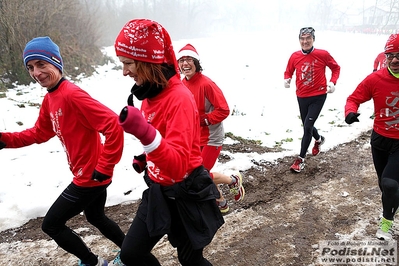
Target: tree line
[(70, 23), (82, 27)]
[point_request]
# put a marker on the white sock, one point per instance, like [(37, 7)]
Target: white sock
[(233, 180), (222, 202)]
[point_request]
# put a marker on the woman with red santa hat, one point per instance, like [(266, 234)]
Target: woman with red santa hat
[(383, 88), (181, 198), (213, 109)]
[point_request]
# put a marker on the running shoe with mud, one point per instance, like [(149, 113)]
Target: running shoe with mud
[(236, 188)]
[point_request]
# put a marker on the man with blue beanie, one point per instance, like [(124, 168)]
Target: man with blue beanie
[(72, 115), (43, 48)]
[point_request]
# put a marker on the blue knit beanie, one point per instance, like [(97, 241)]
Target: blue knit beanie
[(43, 48)]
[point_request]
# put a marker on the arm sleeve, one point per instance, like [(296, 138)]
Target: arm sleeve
[(221, 109), (181, 131), (361, 94), (103, 120), (41, 132), (289, 71), (335, 69)]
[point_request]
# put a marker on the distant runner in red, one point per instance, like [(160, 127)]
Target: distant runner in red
[(310, 64), (380, 61)]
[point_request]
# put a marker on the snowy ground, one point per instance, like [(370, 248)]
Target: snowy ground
[(249, 69)]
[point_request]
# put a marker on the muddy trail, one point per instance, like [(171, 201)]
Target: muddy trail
[(280, 222)]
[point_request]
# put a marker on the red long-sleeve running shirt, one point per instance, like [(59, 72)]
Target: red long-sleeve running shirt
[(174, 114), (310, 70), (383, 88), (210, 101), (77, 119)]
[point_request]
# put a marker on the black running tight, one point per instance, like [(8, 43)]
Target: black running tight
[(70, 203), (309, 109), (385, 153)]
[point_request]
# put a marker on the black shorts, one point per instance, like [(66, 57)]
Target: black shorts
[(382, 143)]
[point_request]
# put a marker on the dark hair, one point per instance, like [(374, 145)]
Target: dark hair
[(198, 67)]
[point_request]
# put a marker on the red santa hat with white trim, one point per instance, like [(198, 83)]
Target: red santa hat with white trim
[(188, 50)]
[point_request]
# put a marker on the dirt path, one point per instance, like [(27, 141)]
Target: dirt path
[(280, 222)]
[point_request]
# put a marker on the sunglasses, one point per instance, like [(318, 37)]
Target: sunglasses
[(306, 30), (392, 56)]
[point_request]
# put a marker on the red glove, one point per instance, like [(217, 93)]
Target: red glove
[(133, 122), (204, 122)]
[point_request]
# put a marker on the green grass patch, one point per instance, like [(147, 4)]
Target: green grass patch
[(242, 140)]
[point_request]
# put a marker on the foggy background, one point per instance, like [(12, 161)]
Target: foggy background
[(204, 18), (82, 27)]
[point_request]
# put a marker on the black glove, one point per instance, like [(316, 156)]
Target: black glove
[(2, 144), (147, 180), (139, 162), (97, 176), (352, 117), (130, 100)]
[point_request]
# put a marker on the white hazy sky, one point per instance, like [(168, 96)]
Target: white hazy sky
[(336, 3), (248, 68)]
